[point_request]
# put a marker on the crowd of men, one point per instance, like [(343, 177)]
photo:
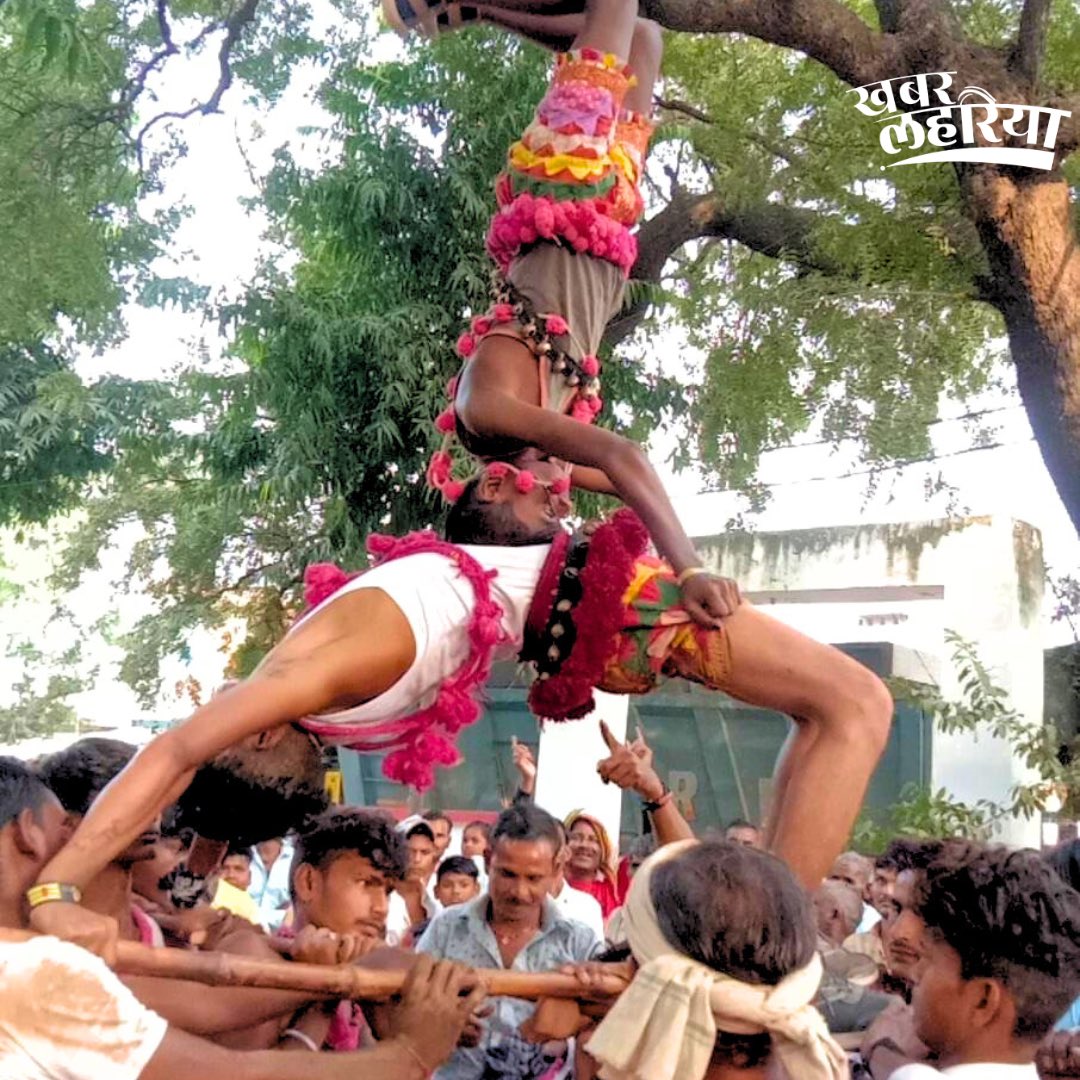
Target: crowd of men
[(933, 958)]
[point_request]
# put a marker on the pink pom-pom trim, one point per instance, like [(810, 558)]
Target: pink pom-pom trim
[(322, 580), (525, 481), (609, 568), (560, 486), (583, 225), (590, 365), (438, 470), (557, 325), (452, 490), (481, 325), (446, 421), (503, 313), (466, 346), (581, 411)]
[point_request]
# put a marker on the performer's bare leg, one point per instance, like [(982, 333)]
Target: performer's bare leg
[(563, 32), (842, 713), (558, 27)]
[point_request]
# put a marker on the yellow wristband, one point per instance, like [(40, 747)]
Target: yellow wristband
[(52, 892), (688, 573)]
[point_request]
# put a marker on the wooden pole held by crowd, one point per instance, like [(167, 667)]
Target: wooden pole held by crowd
[(345, 981)]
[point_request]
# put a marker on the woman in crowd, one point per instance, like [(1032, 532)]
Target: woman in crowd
[(590, 867)]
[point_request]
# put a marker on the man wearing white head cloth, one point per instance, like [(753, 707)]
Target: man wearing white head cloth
[(724, 939)]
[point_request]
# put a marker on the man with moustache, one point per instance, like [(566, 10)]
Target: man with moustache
[(515, 926)]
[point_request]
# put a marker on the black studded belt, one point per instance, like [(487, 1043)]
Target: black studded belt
[(549, 649)]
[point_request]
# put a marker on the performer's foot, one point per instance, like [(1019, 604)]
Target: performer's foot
[(455, 17), (407, 16)]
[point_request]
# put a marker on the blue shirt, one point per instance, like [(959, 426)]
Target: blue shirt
[(462, 933), (1071, 1020)]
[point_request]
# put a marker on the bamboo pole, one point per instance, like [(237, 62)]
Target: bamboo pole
[(345, 981)]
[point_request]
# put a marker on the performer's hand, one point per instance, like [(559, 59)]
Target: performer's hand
[(629, 768), (438, 1000), (710, 599), (79, 925), (525, 764)]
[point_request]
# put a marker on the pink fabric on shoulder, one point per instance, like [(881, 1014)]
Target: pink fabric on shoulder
[(150, 934)]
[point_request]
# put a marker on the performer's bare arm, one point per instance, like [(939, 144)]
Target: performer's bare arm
[(349, 652), (489, 404), (596, 480)]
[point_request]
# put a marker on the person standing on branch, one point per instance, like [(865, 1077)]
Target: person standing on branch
[(563, 247)]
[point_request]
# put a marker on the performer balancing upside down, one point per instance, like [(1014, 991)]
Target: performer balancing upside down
[(392, 657), (563, 248)]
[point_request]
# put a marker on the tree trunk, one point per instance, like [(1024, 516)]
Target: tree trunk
[(1030, 239)]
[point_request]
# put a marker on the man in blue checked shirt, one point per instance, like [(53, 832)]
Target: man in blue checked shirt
[(518, 927)]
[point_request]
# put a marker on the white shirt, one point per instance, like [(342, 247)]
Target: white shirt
[(397, 915), (977, 1071), (65, 1016), (270, 889), (438, 602), (581, 907), (870, 918)]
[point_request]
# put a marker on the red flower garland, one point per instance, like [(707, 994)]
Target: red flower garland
[(609, 569)]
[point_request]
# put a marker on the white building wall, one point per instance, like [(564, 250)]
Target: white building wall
[(908, 584), (566, 776)]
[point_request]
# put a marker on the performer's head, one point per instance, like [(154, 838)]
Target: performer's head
[(260, 788), (343, 869), (33, 828), (496, 508), (524, 848)]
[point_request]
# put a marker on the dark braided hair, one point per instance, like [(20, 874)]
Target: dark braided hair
[(1010, 917)]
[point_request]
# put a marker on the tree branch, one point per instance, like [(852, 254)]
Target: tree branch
[(168, 48), (1027, 53), (234, 27), (771, 229), (1068, 140), (888, 12), (683, 107), (780, 232), (686, 109), (826, 30)]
